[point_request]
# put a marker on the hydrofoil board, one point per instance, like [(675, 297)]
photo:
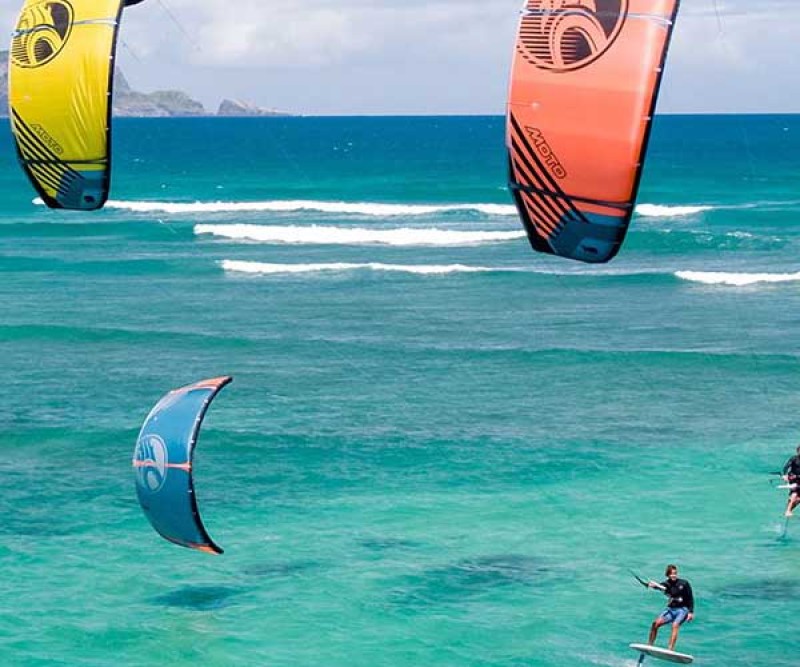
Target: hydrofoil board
[(662, 653)]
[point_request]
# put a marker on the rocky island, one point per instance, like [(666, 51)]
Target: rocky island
[(239, 108), (129, 102), (161, 103)]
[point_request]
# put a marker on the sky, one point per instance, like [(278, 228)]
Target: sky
[(379, 57)]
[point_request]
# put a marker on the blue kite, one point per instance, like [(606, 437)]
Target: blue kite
[(162, 462)]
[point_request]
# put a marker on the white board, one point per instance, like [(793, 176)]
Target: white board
[(662, 653)]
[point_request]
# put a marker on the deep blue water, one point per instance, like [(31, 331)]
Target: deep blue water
[(439, 447)]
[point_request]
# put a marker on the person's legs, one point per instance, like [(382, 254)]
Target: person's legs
[(653, 632), (674, 637), (794, 501), (657, 623), (678, 618)]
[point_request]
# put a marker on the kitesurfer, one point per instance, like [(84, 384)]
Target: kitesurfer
[(680, 607), (791, 473)]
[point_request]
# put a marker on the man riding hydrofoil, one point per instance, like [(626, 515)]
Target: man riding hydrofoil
[(680, 607)]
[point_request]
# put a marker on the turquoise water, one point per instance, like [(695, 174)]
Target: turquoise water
[(439, 448)]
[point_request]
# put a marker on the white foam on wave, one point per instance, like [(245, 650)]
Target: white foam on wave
[(662, 211), (330, 235), (736, 279), (262, 268), (289, 206), (243, 266), (380, 209)]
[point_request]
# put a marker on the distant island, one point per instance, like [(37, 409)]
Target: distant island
[(161, 103)]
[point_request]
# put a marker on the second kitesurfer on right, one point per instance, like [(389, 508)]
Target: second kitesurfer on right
[(791, 473)]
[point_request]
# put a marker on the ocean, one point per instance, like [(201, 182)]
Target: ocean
[(439, 447)]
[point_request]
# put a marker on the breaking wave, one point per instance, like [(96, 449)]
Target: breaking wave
[(294, 205), (421, 269), (329, 235), (661, 211), (736, 279)]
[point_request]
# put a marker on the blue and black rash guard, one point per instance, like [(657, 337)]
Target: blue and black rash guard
[(792, 469), (679, 593)]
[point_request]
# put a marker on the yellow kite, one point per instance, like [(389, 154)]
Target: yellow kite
[(59, 91)]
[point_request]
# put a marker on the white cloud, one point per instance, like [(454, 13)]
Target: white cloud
[(739, 57), (736, 37), (324, 56), (285, 33), (435, 56), (8, 19)]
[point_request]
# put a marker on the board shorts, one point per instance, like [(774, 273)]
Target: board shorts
[(675, 615)]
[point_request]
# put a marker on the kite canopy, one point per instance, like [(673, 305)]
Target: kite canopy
[(59, 91), (162, 462), (584, 82)]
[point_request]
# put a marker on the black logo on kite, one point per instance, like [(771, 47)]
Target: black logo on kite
[(543, 148), (42, 31), (48, 141), (150, 460), (564, 35)]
